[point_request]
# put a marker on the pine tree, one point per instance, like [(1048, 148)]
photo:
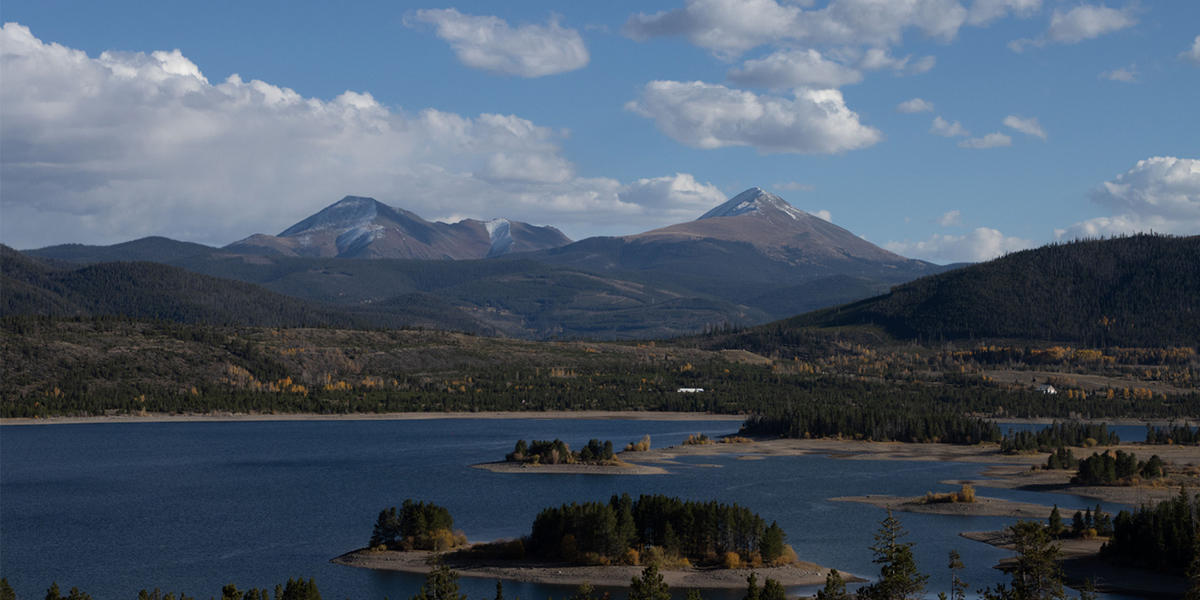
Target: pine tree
[(835, 587), (773, 590), (1037, 575), (499, 590), (771, 546), (6, 590), (650, 586), (751, 587), (440, 584), (899, 578), (1056, 522), (1193, 572), (958, 587)]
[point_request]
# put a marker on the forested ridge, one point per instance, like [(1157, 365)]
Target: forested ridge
[(1137, 291)]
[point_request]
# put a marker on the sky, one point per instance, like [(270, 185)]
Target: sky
[(945, 130)]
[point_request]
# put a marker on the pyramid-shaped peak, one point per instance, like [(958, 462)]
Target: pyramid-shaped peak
[(755, 201), (347, 213)]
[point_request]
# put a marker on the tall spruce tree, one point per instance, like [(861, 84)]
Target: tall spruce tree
[(650, 586), (899, 578), (835, 587)]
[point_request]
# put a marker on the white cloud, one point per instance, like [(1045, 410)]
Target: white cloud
[(681, 195), (731, 27), (1127, 75), (991, 140), (945, 129), (1087, 22), (1192, 55), (1028, 126), (875, 59), (794, 68), (1081, 23), (979, 245), (793, 186), (984, 11), (950, 219), (824, 215), (704, 115), (916, 105), (125, 145), (488, 43), (1159, 194)]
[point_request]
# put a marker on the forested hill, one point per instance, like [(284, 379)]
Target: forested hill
[(1142, 291), (148, 290)]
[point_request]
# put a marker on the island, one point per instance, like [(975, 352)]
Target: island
[(694, 545)]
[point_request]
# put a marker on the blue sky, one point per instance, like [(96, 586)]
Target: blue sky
[(946, 130)]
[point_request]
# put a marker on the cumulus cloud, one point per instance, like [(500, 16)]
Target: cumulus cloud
[(979, 245), (916, 105), (824, 215), (1192, 55), (793, 186), (680, 195), (1160, 194), (124, 145), (1028, 126), (704, 115), (945, 129), (1084, 22), (490, 44), (1126, 75), (985, 11), (730, 27), (991, 140), (794, 68), (950, 219)]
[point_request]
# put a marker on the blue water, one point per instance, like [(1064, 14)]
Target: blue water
[(115, 508)]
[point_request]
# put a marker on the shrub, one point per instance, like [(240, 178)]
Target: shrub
[(731, 560)]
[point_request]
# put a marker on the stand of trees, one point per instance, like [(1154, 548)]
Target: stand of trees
[(877, 423), (416, 526), (557, 451), (1114, 467), (1059, 435), (1172, 434), (1162, 537), (621, 529), (295, 589)]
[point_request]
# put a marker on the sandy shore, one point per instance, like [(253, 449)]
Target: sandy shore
[(577, 469), (1082, 563), (982, 507), (557, 573), (634, 415)]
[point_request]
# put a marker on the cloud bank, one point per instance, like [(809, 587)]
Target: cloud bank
[(979, 245), (1160, 194), (124, 145), (489, 44), (705, 115)]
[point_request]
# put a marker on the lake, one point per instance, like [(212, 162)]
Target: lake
[(113, 508)]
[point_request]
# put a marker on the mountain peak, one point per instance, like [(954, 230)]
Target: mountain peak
[(755, 201), (348, 213)]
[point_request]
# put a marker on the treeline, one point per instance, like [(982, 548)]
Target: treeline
[(294, 589), (879, 424), (1116, 467), (617, 531), (416, 526), (555, 452), (1059, 435), (1161, 537), (1172, 434)]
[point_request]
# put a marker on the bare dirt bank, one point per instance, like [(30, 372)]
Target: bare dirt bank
[(982, 507), (1081, 563), (576, 469), (556, 573)]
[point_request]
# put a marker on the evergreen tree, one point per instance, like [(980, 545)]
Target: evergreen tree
[(585, 591), (1037, 574), (899, 578), (440, 584), (650, 586), (1056, 522), (1193, 572), (773, 590), (835, 587), (752, 587), (693, 594), (958, 587), (499, 590), (771, 546), (6, 591)]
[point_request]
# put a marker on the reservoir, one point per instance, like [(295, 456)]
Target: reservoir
[(113, 508)]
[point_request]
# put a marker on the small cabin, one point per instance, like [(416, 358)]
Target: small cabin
[(1046, 388), (690, 390)]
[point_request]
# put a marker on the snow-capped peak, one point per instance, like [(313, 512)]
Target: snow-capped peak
[(351, 212), (500, 232), (754, 200)]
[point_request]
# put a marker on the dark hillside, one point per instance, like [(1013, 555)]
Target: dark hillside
[(154, 249), (1142, 290)]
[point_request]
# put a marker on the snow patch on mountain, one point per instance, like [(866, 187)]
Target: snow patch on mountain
[(755, 201), (500, 232), (351, 212)]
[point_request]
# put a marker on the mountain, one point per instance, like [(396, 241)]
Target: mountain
[(755, 236), (157, 249), (357, 227), (1130, 291), (148, 290)]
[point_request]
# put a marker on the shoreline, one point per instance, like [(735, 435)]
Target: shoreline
[(575, 469), (566, 574), (982, 507), (588, 415)]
